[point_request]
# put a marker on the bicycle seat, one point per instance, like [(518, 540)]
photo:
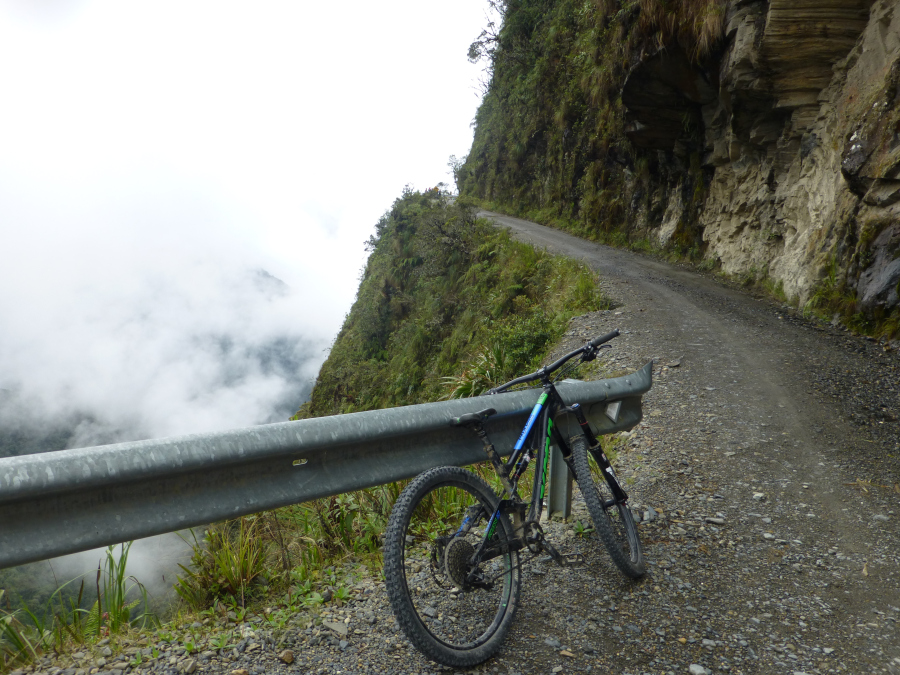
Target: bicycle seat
[(472, 419)]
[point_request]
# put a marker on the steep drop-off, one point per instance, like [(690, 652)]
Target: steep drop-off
[(760, 137), (447, 305)]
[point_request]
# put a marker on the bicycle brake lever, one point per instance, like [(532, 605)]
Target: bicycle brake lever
[(592, 353)]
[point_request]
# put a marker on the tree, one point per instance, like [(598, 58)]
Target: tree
[(456, 169)]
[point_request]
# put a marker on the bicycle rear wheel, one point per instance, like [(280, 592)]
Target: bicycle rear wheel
[(613, 521), (427, 572)]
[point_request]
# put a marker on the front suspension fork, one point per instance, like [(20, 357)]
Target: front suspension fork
[(596, 451)]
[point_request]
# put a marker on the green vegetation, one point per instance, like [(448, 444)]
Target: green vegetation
[(25, 633), (448, 306), (550, 139), (225, 565), (443, 295), (834, 297), (284, 556)]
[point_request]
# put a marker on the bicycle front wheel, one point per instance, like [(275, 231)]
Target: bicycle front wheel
[(612, 520), (454, 613)]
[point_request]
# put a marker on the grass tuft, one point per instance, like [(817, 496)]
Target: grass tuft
[(26, 633)]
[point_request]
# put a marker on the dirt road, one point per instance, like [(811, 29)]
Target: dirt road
[(772, 448)]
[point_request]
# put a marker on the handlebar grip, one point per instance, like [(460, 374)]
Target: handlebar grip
[(597, 341)]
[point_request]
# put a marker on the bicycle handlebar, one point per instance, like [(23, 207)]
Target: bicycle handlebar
[(597, 341), (546, 370)]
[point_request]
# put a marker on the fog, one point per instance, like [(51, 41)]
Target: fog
[(160, 327), (141, 319), (152, 563), (185, 189)]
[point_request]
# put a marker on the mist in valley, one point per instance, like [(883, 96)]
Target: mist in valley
[(185, 193), (134, 337)]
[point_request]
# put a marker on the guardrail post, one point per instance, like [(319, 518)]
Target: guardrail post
[(559, 499)]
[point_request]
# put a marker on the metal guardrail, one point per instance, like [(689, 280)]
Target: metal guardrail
[(63, 502)]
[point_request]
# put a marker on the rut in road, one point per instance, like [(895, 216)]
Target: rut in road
[(771, 450)]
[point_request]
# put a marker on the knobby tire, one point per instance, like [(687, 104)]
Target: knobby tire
[(613, 522), (458, 628)]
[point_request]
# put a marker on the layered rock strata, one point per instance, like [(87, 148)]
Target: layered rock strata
[(797, 124)]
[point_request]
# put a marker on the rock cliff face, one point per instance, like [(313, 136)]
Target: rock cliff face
[(797, 122)]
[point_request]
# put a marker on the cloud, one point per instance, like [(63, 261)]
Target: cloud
[(149, 318), (164, 163)]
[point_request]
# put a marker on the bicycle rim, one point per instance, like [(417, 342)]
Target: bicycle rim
[(613, 521), (448, 619)]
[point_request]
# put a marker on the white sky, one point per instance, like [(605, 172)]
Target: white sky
[(153, 153)]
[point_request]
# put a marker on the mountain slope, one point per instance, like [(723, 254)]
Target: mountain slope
[(446, 302), (758, 138)]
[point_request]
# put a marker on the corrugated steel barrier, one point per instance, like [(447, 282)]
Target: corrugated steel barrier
[(62, 502)]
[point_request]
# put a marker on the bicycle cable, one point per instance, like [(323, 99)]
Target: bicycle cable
[(565, 370)]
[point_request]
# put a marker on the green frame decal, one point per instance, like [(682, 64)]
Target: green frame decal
[(546, 458)]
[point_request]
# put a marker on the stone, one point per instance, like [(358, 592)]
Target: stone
[(287, 656), (338, 627), (659, 93), (796, 125), (240, 671), (189, 666), (697, 669)]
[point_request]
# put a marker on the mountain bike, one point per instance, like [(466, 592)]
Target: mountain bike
[(452, 560)]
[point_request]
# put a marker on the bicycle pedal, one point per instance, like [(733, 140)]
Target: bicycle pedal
[(548, 547), (573, 558)]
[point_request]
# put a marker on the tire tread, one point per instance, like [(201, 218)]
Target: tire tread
[(631, 565)]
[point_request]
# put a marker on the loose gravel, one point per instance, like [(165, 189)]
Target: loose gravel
[(766, 476)]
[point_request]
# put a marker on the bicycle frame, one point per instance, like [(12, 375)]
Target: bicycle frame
[(534, 445)]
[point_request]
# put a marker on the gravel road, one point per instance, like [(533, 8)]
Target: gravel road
[(766, 473)]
